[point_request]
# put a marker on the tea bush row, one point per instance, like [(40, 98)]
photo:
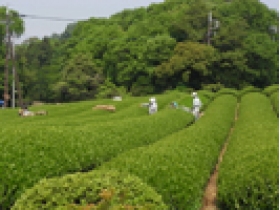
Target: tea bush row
[(178, 166), (248, 176), (269, 90), (275, 101), (29, 154)]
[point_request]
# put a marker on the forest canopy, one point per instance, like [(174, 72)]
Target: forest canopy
[(149, 50)]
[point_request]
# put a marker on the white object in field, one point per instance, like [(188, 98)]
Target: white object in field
[(194, 94), (145, 104), (27, 113), (117, 98), (186, 109), (152, 100), (153, 108)]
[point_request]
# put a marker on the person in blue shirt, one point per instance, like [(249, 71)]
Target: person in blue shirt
[(2, 104), (174, 104)]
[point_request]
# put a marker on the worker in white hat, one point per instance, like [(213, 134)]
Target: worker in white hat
[(196, 105), (153, 106)]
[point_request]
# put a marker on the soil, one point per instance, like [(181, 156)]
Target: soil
[(210, 193)]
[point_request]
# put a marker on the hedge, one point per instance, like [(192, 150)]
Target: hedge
[(226, 91), (269, 90), (98, 190), (30, 153), (275, 101), (248, 89), (206, 97), (85, 115), (178, 166), (248, 176), (10, 116), (213, 87), (210, 95)]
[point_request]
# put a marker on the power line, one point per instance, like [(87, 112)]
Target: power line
[(50, 18), (69, 19), (75, 20)]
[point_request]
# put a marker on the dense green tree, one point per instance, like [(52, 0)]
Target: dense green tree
[(191, 64), (16, 28), (192, 25), (151, 49), (80, 78)]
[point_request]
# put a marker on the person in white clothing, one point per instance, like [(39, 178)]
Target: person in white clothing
[(152, 106), (196, 105)]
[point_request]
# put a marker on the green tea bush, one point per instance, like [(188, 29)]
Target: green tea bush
[(275, 101), (248, 89), (29, 153), (131, 112), (178, 166), (271, 89), (83, 113), (206, 93), (223, 91), (213, 87), (248, 176), (205, 96), (97, 189)]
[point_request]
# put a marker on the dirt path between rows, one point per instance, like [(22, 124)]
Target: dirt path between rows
[(210, 193)]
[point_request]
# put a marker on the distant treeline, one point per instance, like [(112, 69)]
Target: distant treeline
[(149, 50)]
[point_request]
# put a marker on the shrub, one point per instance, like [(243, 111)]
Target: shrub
[(98, 190), (178, 166), (213, 87), (248, 89), (275, 101), (271, 89), (109, 89), (208, 94), (82, 113), (141, 90), (30, 153), (248, 177), (223, 91), (183, 88)]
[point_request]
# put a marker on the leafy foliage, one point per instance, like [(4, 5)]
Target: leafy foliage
[(94, 190), (271, 89), (150, 50), (28, 155), (248, 89), (275, 102), (223, 91), (179, 165), (248, 177)]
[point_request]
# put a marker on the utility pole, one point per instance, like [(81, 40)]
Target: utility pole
[(209, 28), (10, 54), (16, 84), (14, 66), (8, 40), (273, 29), (20, 104), (213, 25)]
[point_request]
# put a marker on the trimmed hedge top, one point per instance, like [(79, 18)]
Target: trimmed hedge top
[(28, 155), (179, 166), (96, 190), (271, 89), (248, 177)]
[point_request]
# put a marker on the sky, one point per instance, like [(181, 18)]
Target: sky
[(74, 9)]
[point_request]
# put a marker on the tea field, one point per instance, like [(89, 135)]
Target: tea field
[(66, 160)]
